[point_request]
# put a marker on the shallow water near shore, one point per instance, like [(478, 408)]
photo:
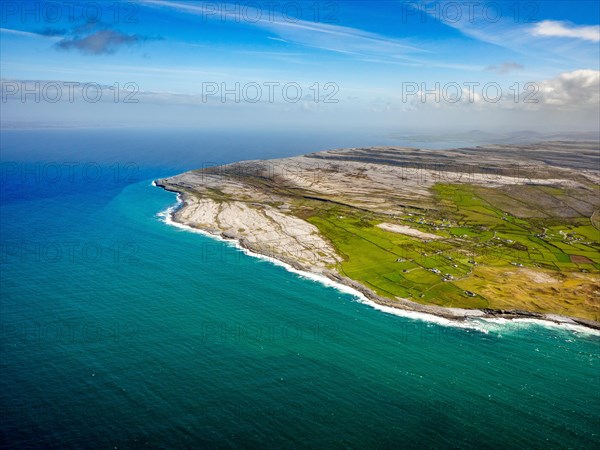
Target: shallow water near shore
[(141, 334)]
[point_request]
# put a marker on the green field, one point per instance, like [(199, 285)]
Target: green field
[(485, 256)]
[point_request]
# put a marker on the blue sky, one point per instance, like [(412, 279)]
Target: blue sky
[(370, 51)]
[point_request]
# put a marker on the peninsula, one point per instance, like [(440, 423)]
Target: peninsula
[(490, 231)]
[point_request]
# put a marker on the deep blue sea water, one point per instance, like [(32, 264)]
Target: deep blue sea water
[(120, 331)]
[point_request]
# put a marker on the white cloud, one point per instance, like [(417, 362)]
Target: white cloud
[(573, 45), (571, 90), (22, 33), (552, 28), (577, 91)]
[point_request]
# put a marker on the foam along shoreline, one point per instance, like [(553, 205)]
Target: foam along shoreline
[(479, 321)]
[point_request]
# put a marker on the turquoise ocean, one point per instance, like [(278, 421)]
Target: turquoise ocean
[(119, 330)]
